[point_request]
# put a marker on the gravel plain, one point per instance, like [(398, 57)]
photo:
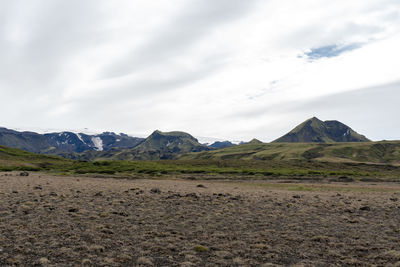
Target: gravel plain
[(82, 221)]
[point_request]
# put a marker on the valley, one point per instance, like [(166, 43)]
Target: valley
[(168, 200)]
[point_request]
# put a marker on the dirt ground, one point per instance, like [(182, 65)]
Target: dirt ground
[(77, 221)]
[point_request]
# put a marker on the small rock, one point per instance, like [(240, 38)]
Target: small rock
[(38, 187), (144, 261), (394, 199), (53, 194), (296, 196), (155, 191), (87, 262), (365, 208), (44, 261), (24, 174), (201, 186), (72, 210), (191, 195)]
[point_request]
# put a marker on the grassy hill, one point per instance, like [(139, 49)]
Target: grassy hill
[(17, 159), (385, 152)]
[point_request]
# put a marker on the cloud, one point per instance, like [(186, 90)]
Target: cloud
[(225, 69), (330, 51), (194, 21)]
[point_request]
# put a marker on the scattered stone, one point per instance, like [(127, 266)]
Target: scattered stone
[(37, 187), (107, 231), (394, 199), (44, 261), (366, 208), (99, 194), (97, 248), (193, 195), (121, 213), (296, 196), (144, 261), (53, 194), (201, 186), (15, 192), (72, 210), (24, 174), (155, 191), (87, 262)]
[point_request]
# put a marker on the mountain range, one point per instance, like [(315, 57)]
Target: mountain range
[(66, 142), (159, 145)]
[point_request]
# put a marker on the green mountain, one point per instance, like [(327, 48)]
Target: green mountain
[(315, 130), (159, 145)]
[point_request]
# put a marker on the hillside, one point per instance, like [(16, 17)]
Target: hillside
[(17, 159), (387, 152), (315, 130)]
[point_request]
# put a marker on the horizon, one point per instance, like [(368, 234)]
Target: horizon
[(227, 70)]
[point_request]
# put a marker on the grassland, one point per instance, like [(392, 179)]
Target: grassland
[(253, 161)]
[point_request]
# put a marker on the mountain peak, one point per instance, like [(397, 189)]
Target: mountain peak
[(315, 130), (255, 141)]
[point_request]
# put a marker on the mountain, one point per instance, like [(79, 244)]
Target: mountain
[(159, 145), (223, 144), (28, 141), (315, 130), (66, 142)]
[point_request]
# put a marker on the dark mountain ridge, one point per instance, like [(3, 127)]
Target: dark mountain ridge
[(66, 142)]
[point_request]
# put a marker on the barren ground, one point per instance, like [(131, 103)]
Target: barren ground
[(64, 221)]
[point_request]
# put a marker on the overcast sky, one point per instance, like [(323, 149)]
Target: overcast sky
[(229, 69)]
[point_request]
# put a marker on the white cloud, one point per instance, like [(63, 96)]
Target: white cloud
[(222, 68)]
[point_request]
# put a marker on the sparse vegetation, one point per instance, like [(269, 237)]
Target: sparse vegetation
[(118, 222), (18, 160)]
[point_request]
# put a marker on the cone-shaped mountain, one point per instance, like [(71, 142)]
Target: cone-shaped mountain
[(315, 130)]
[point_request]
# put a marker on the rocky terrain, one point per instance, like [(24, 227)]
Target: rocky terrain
[(83, 221)]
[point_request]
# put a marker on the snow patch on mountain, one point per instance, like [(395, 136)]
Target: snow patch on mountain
[(98, 143), (80, 138)]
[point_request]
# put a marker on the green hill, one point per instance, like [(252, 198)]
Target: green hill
[(17, 159), (385, 152), (315, 130)]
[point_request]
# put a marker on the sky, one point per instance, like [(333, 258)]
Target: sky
[(226, 69)]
